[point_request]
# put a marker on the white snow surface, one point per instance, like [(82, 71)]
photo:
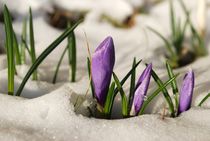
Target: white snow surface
[(52, 116), (120, 9), (22, 6)]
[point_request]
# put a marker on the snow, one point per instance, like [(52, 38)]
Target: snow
[(120, 8), (52, 117), (22, 6), (50, 114)]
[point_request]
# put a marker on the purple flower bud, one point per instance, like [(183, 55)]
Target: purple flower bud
[(102, 65), (186, 92), (141, 90)]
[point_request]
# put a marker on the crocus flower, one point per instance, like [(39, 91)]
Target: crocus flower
[(141, 90), (102, 65), (186, 92)]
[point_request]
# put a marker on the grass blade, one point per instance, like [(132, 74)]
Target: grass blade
[(26, 46), (127, 76), (17, 51), (44, 54), (23, 38), (155, 93), (89, 73), (168, 45), (72, 56), (58, 66), (123, 96), (165, 92), (200, 49), (204, 99), (124, 79), (10, 49), (200, 46), (109, 101), (173, 84), (173, 27), (132, 85), (32, 45), (186, 11)]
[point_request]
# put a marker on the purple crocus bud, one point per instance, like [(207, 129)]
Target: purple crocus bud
[(102, 65), (186, 92), (141, 90)]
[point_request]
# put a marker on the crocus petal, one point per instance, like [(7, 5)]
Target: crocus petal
[(141, 90), (102, 65), (186, 92)]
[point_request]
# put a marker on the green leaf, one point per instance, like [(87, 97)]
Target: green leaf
[(109, 101), (17, 51), (124, 79), (168, 45), (123, 96), (199, 46), (72, 56), (32, 45), (184, 30), (44, 54), (58, 66), (10, 49), (204, 99), (179, 38), (187, 13), (132, 85), (26, 46), (165, 92), (89, 73), (23, 38), (173, 23), (127, 76), (154, 94), (173, 84), (200, 50)]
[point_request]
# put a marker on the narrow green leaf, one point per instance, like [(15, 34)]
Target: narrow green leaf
[(123, 96), (172, 16), (199, 46), (44, 54), (132, 85), (154, 94), (165, 92), (72, 56), (17, 51), (58, 66), (204, 99), (200, 50), (173, 83), (89, 73), (32, 45), (26, 46), (127, 76), (184, 29), (179, 38), (168, 45), (187, 13), (10, 49), (109, 101), (23, 38)]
